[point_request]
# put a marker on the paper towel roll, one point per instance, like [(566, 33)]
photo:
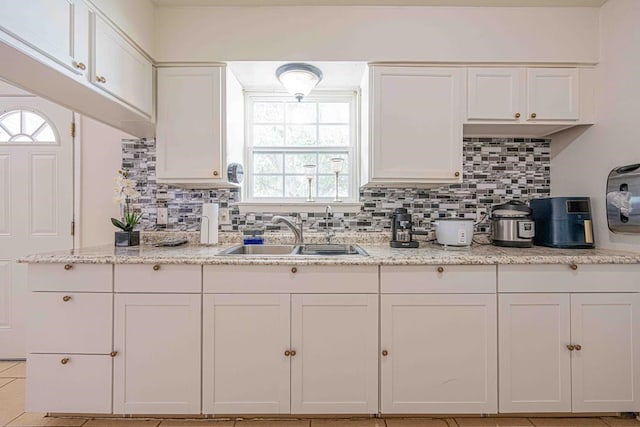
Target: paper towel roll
[(209, 224)]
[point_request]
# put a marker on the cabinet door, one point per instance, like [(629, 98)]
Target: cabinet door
[(77, 383), (606, 368), (119, 69), (57, 29), (416, 125), (438, 354), (552, 94), (535, 364), (157, 368), (335, 365), (190, 125), (496, 93), (245, 369)]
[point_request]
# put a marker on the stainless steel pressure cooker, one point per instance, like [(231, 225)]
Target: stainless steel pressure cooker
[(512, 225)]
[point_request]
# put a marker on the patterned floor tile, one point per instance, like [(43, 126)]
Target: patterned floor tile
[(34, 419), (493, 422)]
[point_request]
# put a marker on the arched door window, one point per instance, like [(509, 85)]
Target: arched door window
[(26, 127)]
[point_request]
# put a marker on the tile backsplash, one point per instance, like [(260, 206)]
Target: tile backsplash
[(495, 170)]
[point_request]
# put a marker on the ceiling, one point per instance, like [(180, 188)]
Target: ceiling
[(262, 75), (482, 3)]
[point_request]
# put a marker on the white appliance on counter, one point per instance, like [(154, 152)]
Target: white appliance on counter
[(209, 224)]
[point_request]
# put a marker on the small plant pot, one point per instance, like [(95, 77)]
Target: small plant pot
[(127, 238)]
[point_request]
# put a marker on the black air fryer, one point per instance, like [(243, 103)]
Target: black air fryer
[(402, 230), (563, 222)]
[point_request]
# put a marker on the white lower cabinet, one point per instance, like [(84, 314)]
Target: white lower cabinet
[(439, 353), (157, 367), (569, 352)]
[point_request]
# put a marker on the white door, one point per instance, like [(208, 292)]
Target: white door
[(535, 364), (157, 368), (36, 201), (552, 94), (335, 365), (416, 124), (439, 354), (605, 331), (245, 369), (496, 93)]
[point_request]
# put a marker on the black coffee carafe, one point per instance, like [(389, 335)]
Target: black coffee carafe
[(402, 230)]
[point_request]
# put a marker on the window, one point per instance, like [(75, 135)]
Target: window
[(24, 126), (284, 135)]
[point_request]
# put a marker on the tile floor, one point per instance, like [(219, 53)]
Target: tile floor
[(12, 384)]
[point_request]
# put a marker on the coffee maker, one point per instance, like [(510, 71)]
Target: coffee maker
[(401, 230)]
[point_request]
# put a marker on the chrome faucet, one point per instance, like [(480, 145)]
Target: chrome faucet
[(296, 228), (328, 233)]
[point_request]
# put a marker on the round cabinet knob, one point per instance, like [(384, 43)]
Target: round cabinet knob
[(294, 270), (385, 353), (534, 115), (68, 267), (570, 347), (101, 79), (156, 267), (440, 269), (573, 267), (287, 353), (517, 115), (113, 354), (215, 173), (293, 353), (66, 298), (79, 65), (456, 174), (578, 347), (65, 361)]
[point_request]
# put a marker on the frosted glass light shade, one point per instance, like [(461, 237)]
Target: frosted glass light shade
[(298, 78)]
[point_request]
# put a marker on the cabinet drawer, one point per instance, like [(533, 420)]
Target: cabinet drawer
[(158, 278), (290, 279), (81, 385), (569, 278), (438, 279), (71, 277), (70, 322)]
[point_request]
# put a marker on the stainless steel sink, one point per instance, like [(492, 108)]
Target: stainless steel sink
[(261, 250), (332, 250), (295, 250)]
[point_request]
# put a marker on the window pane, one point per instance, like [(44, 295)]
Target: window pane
[(327, 186), (267, 186), (324, 162), (21, 138), (334, 135), (32, 122), (267, 163), (4, 137), (12, 122), (334, 112), (268, 135), (268, 112), (45, 134), (301, 135), (301, 112), (297, 186), (294, 162)]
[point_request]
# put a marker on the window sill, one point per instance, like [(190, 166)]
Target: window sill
[(278, 207)]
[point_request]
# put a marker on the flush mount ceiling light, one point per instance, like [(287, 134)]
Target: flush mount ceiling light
[(298, 78)]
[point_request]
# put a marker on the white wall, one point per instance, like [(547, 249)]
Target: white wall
[(134, 17), (582, 159), (101, 157), (377, 33)]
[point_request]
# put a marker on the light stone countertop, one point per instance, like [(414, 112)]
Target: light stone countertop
[(379, 254)]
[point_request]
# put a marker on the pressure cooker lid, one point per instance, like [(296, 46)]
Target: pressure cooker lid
[(513, 208)]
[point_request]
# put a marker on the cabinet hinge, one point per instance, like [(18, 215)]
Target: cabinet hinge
[(73, 129), (73, 228)]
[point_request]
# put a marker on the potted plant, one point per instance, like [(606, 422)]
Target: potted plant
[(123, 193)]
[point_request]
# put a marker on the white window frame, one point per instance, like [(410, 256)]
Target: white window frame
[(349, 203)]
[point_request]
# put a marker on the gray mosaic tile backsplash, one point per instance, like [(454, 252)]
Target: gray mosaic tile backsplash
[(495, 170)]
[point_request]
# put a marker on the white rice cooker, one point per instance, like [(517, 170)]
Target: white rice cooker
[(454, 231)]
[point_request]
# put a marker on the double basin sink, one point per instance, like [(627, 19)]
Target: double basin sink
[(296, 250)]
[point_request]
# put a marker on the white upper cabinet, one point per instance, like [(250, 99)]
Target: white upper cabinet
[(190, 125), (552, 94), (118, 68), (495, 93), (57, 29), (416, 125)]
